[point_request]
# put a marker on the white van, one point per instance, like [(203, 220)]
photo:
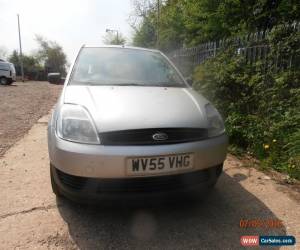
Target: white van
[(7, 73)]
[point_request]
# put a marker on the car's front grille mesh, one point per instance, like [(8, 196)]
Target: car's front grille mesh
[(145, 136)]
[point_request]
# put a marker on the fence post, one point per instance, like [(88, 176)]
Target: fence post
[(215, 48)]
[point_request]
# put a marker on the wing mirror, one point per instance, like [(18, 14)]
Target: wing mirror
[(55, 78)]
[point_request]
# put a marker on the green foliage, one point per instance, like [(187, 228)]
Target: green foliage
[(145, 34), (292, 147), (114, 39), (31, 65), (262, 109), (14, 58), (51, 55), (284, 41), (190, 22)]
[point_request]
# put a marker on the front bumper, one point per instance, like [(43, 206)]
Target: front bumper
[(99, 161), (85, 189)]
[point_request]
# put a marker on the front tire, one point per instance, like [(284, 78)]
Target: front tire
[(54, 186), (3, 80)]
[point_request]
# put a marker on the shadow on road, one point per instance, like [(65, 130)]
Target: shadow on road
[(212, 223)]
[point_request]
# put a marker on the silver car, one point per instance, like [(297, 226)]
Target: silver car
[(128, 124)]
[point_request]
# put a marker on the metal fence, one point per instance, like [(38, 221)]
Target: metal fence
[(253, 46)]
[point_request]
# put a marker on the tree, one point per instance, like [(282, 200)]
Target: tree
[(31, 66), (143, 20), (14, 58), (145, 35), (51, 55), (114, 39), (191, 22)]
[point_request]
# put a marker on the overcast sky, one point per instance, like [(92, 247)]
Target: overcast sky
[(71, 23)]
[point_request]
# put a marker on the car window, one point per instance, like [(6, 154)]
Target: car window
[(4, 66), (121, 66)]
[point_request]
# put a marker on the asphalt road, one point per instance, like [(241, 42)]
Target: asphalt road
[(32, 218)]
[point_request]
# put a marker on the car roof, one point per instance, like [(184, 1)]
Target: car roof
[(120, 47), (3, 61)]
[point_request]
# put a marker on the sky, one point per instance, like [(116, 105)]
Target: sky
[(71, 23)]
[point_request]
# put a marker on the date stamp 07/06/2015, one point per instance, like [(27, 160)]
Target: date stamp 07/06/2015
[(261, 223)]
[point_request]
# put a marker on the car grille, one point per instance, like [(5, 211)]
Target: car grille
[(144, 136), (142, 184)]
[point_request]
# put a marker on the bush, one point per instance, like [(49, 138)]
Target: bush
[(261, 109)]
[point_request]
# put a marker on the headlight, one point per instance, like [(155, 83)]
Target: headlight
[(75, 124), (215, 122)]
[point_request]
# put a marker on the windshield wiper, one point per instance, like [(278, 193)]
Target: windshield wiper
[(92, 83), (143, 84), (127, 84), (165, 84)]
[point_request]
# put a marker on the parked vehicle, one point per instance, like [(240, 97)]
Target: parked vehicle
[(128, 123), (56, 78), (7, 73)]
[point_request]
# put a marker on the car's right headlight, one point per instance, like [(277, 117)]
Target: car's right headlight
[(75, 124), (215, 122)]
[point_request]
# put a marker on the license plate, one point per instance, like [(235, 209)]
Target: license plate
[(156, 165)]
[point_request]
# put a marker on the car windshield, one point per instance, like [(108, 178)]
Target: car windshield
[(123, 66)]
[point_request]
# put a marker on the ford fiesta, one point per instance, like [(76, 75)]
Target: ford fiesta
[(127, 123)]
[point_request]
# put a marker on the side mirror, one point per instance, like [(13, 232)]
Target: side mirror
[(55, 78), (189, 80)]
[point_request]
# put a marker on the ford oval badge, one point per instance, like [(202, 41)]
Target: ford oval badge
[(160, 136)]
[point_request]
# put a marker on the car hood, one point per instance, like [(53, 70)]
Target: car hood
[(134, 107)]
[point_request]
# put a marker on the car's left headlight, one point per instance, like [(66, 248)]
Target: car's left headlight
[(75, 124), (215, 122)]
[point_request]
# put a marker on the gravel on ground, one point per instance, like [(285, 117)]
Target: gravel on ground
[(21, 105)]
